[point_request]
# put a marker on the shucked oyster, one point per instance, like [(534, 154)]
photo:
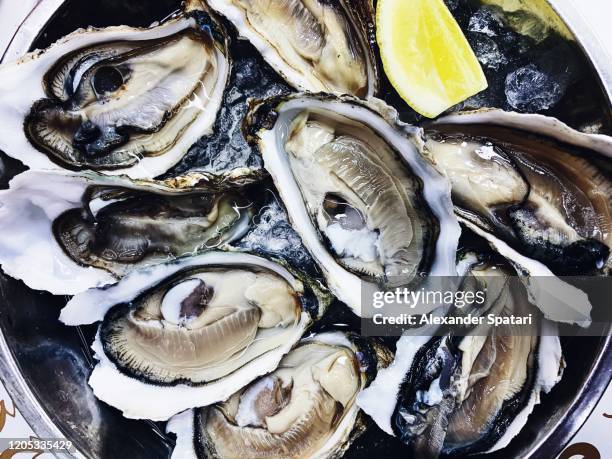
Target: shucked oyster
[(305, 408), (191, 333), (366, 204), (536, 184), (118, 100), (87, 230), (316, 45), (469, 394)]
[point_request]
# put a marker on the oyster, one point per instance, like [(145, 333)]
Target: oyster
[(315, 45), (85, 230), (305, 408), (366, 204), (533, 182), (469, 394), (192, 332), (120, 100)]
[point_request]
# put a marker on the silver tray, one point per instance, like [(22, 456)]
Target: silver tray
[(45, 365)]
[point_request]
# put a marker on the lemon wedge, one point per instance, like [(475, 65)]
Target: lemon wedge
[(426, 56)]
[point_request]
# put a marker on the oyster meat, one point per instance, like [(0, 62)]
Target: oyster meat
[(85, 230), (192, 332), (137, 227), (305, 408), (366, 204), (120, 100), (544, 191), (315, 45)]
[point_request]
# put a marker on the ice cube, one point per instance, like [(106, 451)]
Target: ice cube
[(530, 89), (487, 51), (487, 21), (273, 235)]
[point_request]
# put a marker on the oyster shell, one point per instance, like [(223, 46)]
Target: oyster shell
[(469, 394), (365, 203), (192, 332), (305, 408), (315, 45), (557, 299), (85, 230), (533, 182), (120, 100)]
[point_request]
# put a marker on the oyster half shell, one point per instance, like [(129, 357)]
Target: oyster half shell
[(305, 408), (469, 394), (192, 332), (119, 100), (533, 182), (368, 207), (315, 45), (84, 230)]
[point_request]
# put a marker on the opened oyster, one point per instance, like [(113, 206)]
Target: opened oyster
[(469, 394), (87, 230), (366, 204), (315, 45), (533, 182), (192, 332), (305, 408), (118, 100)]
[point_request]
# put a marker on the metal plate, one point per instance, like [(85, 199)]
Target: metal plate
[(45, 365)]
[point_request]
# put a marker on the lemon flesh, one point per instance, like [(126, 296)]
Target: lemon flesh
[(426, 57)]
